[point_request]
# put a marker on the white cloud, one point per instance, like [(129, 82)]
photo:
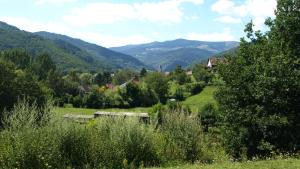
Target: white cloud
[(34, 26), (215, 36), (261, 8), (228, 19), (55, 2), (105, 13), (227, 7), (256, 9), (109, 40)]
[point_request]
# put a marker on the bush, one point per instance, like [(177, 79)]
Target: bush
[(183, 137), (77, 101), (95, 100), (177, 108), (195, 88), (209, 116), (122, 142), (179, 94)]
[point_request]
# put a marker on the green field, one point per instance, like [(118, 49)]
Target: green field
[(197, 102), (85, 111), (268, 164)]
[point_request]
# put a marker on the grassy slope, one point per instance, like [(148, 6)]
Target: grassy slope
[(269, 164), (196, 102)]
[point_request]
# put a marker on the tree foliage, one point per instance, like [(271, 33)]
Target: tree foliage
[(260, 100), (179, 75), (159, 83)]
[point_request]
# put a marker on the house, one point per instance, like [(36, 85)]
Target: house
[(84, 89), (213, 61), (109, 86), (134, 80), (189, 73)]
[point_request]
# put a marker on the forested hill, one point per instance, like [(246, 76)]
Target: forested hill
[(67, 53), (168, 54), (112, 58)]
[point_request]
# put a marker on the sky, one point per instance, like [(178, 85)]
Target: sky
[(112, 23)]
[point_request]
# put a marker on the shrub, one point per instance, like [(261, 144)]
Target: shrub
[(77, 101), (122, 142), (183, 137), (179, 94), (95, 100), (195, 88), (177, 108), (209, 116)]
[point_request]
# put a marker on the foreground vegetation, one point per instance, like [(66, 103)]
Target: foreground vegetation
[(29, 140)]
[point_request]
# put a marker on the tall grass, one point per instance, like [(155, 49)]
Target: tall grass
[(31, 141)]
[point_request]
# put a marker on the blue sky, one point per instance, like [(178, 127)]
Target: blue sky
[(120, 22)]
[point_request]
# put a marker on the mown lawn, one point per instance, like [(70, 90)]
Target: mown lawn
[(85, 111), (269, 164), (197, 102)]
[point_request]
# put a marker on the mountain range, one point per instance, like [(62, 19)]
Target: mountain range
[(70, 53), (169, 54)]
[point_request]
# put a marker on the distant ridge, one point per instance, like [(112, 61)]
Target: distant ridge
[(67, 53), (182, 52)]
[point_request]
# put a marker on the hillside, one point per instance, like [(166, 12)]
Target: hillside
[(65, 52), (114, 59), (168, 54)]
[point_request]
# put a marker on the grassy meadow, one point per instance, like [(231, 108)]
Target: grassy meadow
[(87, 111)]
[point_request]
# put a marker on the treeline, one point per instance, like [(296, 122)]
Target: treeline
[(37, 78)]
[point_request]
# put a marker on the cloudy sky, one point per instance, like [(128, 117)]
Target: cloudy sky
[(120, 22)]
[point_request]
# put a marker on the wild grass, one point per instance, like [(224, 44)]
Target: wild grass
[(26, 142)]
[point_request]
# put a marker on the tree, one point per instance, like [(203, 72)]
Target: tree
[(107, 77), (102, 78), (43, 64), (132, 94), (261, 96), (180, 76), (16, 85), (95, 100), (123, 76), (19, 57), (56, 83), (143, 72), (200, 73), (7, 94), (159, 83), (86, 79)]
